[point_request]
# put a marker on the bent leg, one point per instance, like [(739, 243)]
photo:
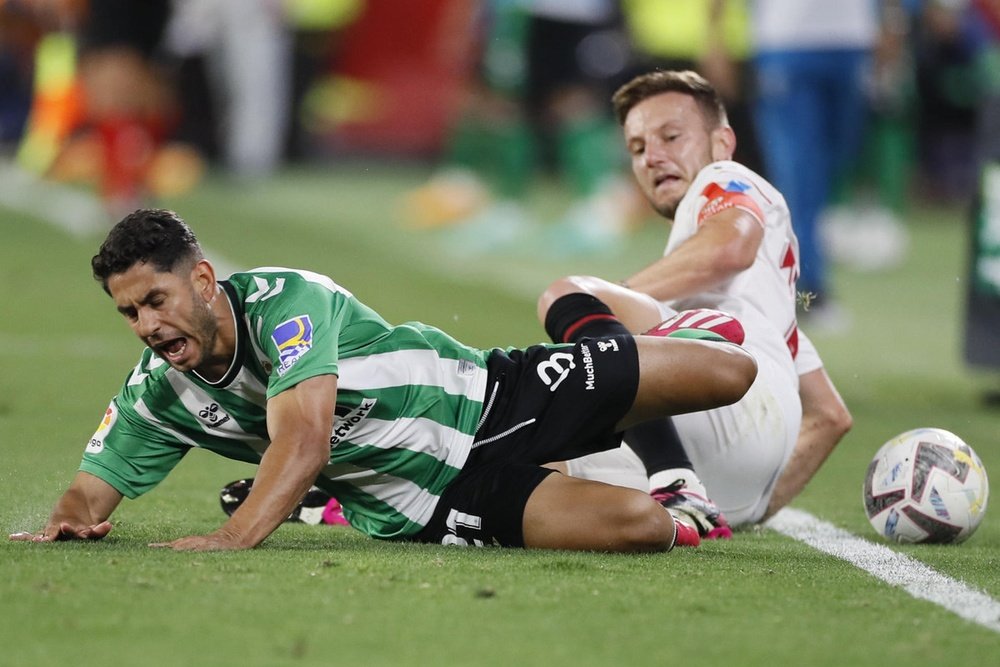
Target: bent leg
[(569, 513), (677, 376), (637, 311)]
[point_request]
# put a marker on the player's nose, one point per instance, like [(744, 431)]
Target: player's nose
[(654, 154), (147, 323)]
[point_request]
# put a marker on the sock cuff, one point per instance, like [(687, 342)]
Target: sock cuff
[(572, 312)]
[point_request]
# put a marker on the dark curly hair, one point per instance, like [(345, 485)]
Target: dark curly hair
[(671, 81), (157, 236)]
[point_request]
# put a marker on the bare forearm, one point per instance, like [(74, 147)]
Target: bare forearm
[(81, 512), (811, 450), (825, 420), (87, 501), (677, 276), (281, 482), (299, 421), (724, 246)]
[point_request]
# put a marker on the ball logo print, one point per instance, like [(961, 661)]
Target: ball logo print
[(926, 485)]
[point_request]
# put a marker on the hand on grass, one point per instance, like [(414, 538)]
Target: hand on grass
[(65, 531), (216, 541)]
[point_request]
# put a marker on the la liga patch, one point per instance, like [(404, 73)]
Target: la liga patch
[(96, 444), (292, 338)]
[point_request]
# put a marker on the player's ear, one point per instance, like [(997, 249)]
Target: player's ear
[(723, 143), (203, 279)]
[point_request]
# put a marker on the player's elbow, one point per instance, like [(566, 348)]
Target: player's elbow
[(832, 420), (735, 257), (560, 288), (311, 451), (838, 420)]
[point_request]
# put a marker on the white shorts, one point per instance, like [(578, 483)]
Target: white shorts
[(738, 451)]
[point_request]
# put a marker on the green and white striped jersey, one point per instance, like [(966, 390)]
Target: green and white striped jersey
[(408, 402)]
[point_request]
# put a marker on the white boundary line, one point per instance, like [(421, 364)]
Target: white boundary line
[(890, 566), (80, 214)]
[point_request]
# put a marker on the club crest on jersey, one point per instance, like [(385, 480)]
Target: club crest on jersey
[(96, 444), (292, 338), (555, 369)]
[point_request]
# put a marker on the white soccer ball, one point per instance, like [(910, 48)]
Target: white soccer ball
[(926, 485)]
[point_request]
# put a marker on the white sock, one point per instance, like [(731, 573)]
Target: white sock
[(664, 478)]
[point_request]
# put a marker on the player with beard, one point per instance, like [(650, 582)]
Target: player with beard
[(420, 437), (731, 248)]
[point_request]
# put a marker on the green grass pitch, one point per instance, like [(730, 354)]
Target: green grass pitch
[(329, 596)]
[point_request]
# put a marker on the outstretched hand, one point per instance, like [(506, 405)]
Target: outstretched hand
[(65, 531), (217, 541)]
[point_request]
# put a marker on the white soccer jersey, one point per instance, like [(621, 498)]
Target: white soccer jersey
[(738, 450), (763, 296)]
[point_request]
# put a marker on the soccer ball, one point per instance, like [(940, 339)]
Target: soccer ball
[(926, 485)]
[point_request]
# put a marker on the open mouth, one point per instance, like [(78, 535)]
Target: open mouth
[(668, 179), (173, 349)]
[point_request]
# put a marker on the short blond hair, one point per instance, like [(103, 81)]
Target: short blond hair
[(685, 82)]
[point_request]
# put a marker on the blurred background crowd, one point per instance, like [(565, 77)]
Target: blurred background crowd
[(855, 109)]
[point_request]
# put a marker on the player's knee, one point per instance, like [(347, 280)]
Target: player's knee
[(735, 377), (560, 288), (644, 524)]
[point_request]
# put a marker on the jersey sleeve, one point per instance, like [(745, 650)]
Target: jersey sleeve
[(807, 359), (299, 331), (723, 186), (129, 454)]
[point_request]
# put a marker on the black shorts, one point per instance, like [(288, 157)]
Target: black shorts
[(543, 404)]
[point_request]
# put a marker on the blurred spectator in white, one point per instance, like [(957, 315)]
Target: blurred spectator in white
[(864, 228), (247, 45), (812, 60)]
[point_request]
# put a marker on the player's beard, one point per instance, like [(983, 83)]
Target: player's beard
[(668, 210), (205, 329)]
